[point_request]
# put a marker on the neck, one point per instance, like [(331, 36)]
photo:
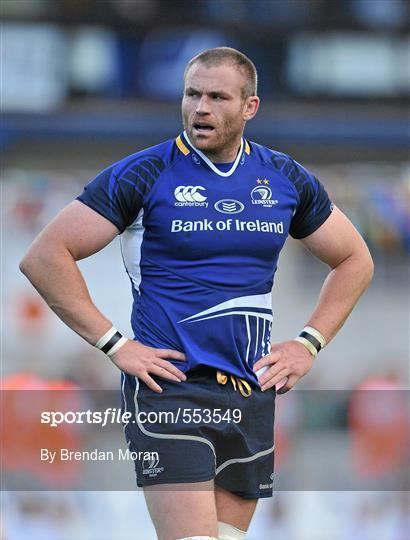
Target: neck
[(226, 155)]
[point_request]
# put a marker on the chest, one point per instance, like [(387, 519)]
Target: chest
[(194, 213)]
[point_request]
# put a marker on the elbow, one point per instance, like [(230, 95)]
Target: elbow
[(368, 274), (22, 266), (41, 258), (367, 268), (35, 260), (26, 264), (371, 268)]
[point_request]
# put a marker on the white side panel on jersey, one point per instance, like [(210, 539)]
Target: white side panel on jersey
[(130, 241), (248, 332), (257, 337)]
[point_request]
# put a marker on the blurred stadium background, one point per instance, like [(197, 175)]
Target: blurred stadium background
[(86, 82)]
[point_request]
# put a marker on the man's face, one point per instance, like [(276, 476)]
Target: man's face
[(214, 110)]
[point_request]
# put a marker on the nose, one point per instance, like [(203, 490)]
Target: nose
[(203, 106)]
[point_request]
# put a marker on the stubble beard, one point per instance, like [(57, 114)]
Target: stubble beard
[(228, 137)]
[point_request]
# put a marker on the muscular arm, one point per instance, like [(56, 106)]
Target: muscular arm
[(50, 264), (338, 244)]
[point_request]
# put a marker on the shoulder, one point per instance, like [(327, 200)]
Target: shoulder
[(283, 164), (121, 190), (267, 155), (273, 158), (152, 160)]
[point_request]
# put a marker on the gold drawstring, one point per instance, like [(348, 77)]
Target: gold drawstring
[(243, 386)]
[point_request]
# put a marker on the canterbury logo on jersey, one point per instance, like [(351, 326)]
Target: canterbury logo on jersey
[(190, 196)]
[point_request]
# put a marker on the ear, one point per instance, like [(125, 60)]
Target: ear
[(250, 107)]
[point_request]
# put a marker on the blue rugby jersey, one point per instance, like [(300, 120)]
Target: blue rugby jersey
[(201, 242)]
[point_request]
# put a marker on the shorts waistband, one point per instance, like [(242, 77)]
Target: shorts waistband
[(222, 378), (243, 386)]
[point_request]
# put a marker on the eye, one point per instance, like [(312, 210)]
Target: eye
[(218, 97)]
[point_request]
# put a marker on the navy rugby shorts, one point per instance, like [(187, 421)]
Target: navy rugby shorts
[(211, 426)]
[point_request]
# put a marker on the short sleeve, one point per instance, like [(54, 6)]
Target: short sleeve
[(118, 192), (314, 205)]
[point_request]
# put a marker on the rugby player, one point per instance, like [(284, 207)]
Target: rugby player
[(203, 218)]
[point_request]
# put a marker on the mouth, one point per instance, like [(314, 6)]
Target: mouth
[(202, 127)]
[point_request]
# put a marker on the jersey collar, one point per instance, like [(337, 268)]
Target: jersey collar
[(185, 149)]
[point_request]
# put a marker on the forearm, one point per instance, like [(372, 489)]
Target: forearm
[(56, 276), (340, 292)]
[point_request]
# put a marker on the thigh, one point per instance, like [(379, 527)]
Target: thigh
[(233, 509), (180, 510)]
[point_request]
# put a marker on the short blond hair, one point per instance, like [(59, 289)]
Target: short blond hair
[(226, 55)]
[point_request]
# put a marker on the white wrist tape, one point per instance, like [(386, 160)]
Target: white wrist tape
[(106, 337), (315, 333), (307, 344), (312, 339), (122, 341), (111, 341), (229, 532), (198, 538)]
